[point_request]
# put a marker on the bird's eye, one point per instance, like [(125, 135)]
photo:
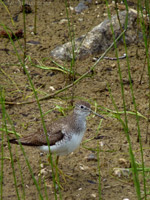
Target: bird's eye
[(82, 107)]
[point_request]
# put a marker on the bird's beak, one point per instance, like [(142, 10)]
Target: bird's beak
[(98, 114)]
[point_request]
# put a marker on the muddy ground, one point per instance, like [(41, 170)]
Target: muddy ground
[(114, 151)]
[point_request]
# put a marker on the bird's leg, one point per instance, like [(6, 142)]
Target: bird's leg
[(57, 159), (55, 172), (64, 176)]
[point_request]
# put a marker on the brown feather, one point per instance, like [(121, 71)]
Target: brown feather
[(54, 134)]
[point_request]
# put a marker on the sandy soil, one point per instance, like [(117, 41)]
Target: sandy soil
[(26, 118)]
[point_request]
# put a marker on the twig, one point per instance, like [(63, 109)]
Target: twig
[(121, 57)]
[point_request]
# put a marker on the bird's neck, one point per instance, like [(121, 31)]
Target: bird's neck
[(78, 122)]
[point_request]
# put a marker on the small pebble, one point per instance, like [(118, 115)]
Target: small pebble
[(117, 172), (113, 65), (52, 88), (91, 157), (123, 162), (71, 8), (63, 21), (101, 144), (80, 7), (43, 172), (121, 172), (26, 8), (90, 181), (41, 154), (94, 59), (93, 195), (80, 19), (41, 165), (83, 167)]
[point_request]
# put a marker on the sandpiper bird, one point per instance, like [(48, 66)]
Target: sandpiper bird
[(64, 135)]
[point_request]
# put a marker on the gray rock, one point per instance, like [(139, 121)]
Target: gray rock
[(99, 38), (82, 6)]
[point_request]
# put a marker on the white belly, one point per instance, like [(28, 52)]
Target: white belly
[(63, 148)]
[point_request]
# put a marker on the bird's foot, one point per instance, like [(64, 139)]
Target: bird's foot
[(64, 176)]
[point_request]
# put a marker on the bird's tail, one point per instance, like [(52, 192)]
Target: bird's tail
[(23, 141), (13, 141), (29, 140)]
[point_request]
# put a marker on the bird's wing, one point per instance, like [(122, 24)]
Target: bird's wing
[(39, 138)]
